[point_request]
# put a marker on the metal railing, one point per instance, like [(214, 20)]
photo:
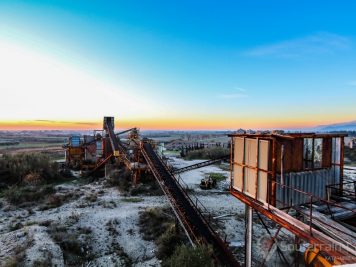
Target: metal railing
[(312, 199)]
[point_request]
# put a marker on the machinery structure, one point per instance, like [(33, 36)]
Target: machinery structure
[(297, 181), (137, 155)]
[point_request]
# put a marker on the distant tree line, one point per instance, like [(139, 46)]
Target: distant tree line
[(186, 149)]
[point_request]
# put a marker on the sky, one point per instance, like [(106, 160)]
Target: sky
[(177, 64)]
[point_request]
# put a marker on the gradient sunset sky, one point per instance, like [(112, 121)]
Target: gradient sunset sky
[(177, 65)]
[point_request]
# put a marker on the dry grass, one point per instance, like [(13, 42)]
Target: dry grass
[(73, 242), (133, 199), (154, 222), (26, 195), (192, 257)]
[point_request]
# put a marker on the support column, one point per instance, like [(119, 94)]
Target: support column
[(248, 236)]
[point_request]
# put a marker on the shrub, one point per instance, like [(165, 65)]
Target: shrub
[(207, 153), (168, 242), (217, 176), (17, 194), (76, 251), (153, 223), (148, 188), (185, 256), (121, 179), (91, 197), (20, 165), (133, 199)]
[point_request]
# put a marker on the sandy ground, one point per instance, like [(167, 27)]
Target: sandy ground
[(111, 208), (219, 202)]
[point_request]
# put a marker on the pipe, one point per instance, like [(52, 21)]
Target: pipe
[(248, 236)]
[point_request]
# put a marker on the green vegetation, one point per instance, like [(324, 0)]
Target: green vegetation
[(168, 242), (154, 222), (28, 167), (147, 188), (120, 179), (185, 256), (133, 199), (27, 178), (159, 225), (217, 176), (350, 155), (18, 254), (207, 153), (24, 194), (73, 242)]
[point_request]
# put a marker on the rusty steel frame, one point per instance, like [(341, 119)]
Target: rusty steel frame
[(315, 237), (272, 186), (200, 165), (273, 240), (191, 217)]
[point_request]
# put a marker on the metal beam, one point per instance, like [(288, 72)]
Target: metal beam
[(248, 236), (341, 253), (200, 165)]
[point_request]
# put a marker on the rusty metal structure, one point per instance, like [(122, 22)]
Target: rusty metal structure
[(271, 173), (201, 164), (137, 155), (194, 218), (276, 173)]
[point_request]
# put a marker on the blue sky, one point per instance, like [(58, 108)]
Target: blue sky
[(226, 64)]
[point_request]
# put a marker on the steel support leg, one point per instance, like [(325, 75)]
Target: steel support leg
[(248, 236)]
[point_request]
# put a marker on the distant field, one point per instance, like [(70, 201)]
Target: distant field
[(52, 149), (30, 145)]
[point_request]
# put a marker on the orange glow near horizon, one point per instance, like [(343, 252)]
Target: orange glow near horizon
[(193, 123)]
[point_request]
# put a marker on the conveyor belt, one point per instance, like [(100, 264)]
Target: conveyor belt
[(201, 164), (194, 222)]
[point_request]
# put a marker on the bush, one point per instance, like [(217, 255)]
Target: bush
[(121, 179), (185, 256), (168, 242), (133, 199), (74, 244), (207, 153), (148, 188), (153, 223), (21, 165), (23, 194), (217, 176)]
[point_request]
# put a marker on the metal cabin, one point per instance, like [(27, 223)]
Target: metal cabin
[(292, 178), (284, 170)]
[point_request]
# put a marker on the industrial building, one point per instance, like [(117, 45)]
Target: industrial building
[(279, 174), (295, 179)]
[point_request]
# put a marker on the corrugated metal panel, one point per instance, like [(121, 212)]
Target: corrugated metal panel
[(313, 182)]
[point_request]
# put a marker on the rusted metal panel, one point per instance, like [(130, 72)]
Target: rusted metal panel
[(251, 167), (263, 163), (327, 150), (292, 154)]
